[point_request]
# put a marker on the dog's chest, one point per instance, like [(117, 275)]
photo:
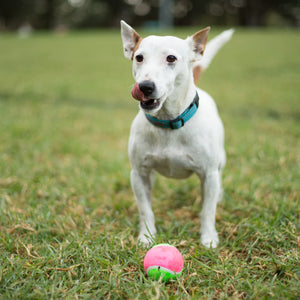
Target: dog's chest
[(173, 166), (169, 157)]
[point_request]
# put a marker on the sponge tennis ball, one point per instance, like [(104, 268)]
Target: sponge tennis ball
[(163, 261)]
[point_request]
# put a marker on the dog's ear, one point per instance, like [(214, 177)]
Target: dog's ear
[(199, 40), (130, 38)]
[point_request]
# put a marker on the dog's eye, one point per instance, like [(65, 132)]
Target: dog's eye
[(171, 58), (139, 58)]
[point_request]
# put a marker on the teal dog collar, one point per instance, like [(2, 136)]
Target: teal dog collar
[(180, 120)]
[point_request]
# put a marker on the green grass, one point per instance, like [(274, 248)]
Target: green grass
[(68, 221)]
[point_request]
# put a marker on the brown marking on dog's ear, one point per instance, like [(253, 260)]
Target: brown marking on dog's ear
[(200, 39), (136, 40), (197, 72), (130, 39)]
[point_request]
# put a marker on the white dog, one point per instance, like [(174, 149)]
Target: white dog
[(178, 131)]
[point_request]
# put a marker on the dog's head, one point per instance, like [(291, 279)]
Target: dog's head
[(161, 65)]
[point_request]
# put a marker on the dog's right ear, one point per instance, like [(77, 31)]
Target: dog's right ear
[(130, 38)]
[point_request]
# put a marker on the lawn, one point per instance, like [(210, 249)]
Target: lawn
[(68, 220)]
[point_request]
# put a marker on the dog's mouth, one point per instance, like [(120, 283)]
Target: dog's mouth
[(150, 104), (146, 103)]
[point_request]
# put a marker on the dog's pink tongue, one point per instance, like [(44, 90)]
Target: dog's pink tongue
[(137, 93)]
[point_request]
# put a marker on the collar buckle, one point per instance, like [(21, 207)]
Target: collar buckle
[(174, 123)]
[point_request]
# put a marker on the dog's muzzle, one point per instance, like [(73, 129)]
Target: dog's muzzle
[(143, 92)]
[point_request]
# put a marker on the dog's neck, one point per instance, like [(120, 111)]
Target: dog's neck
[(178, 101)]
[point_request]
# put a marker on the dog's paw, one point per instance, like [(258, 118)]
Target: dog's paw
[(210, 240), (145, 240)]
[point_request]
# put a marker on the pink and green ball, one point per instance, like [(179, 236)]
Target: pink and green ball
[(163, 262)]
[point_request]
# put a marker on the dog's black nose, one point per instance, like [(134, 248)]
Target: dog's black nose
[(147, 87)]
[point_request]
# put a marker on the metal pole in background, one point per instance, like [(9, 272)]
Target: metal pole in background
[(166, 14)]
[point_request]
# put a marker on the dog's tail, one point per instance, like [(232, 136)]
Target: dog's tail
[(211, 50)]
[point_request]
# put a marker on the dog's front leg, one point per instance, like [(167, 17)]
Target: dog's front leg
[(211, 189), (141, 186)]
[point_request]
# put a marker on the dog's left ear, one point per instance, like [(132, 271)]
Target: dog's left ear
[(130, 38), (199, 40)]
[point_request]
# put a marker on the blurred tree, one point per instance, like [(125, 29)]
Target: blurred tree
[(254, 12), (15, 12), (49, 14), (166, 16)]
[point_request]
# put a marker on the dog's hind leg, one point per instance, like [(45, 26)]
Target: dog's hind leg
[(221, 166), (211, 189), (141, 186)]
